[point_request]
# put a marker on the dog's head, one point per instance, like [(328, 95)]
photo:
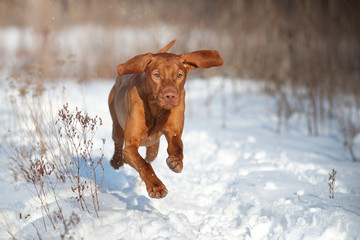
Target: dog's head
[(166, 72)]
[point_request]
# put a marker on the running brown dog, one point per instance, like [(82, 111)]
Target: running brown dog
[(147, 101)]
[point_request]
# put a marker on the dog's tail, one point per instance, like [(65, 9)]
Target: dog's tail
[(167, 47)]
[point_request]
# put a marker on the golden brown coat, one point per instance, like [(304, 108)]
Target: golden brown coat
[(148, 101)]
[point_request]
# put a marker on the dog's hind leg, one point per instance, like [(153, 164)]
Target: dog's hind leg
[(117, 134), (117, 160)]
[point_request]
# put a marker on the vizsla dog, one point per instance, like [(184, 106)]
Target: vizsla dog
[(148, 101)]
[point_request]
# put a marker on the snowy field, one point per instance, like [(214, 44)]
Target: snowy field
[(241, 179)]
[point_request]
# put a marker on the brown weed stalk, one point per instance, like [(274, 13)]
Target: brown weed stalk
[(36, 151), (38, 173), (78, 130), (331, 183)]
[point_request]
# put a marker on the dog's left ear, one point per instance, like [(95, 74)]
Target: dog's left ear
[(201, 59), (135, 65)]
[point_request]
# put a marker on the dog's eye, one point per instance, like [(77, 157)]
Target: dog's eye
[(156, 75), (179, 75)]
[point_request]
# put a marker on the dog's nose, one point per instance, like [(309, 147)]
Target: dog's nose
[(170, 96)]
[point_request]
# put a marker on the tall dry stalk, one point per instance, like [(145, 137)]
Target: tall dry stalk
[(78, 129), (36, 151), (331, 183)]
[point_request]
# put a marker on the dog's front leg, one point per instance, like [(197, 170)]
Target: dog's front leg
[(173, 131), (175, 151), (154, 187)]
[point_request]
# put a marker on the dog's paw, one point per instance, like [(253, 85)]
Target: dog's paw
[(117, 161), (174, 164), (157, 191)]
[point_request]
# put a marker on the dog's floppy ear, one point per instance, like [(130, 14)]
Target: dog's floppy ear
[(201, 59), (135, 65)]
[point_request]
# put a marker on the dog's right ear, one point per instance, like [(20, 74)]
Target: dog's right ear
[(135, 65)]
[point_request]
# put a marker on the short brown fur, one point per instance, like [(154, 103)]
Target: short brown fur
[(148, 101)]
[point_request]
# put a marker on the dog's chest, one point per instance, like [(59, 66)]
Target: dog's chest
[(149, 140), (155, 127)]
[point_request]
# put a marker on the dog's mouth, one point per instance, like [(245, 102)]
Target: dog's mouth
[(167, 106)]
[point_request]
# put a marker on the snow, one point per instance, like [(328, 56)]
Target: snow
[(241, 179)]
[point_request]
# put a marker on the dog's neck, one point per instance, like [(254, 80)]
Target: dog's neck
[(155, 116), (153, 107)]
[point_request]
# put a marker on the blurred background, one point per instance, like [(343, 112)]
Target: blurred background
[(306, 51)]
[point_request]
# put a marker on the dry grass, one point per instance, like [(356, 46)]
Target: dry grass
[(50, 154), (77, 130), (331, 183)]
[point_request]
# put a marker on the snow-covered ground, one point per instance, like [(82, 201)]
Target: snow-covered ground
[(241, 179)]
